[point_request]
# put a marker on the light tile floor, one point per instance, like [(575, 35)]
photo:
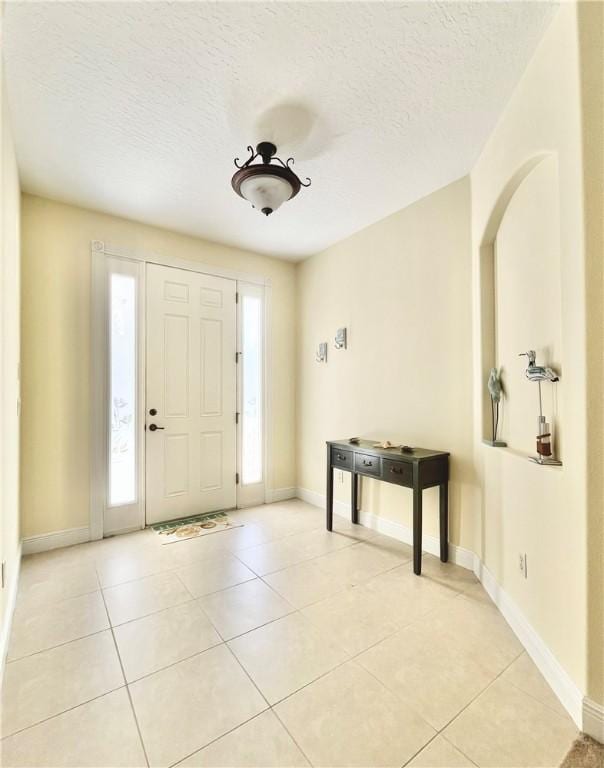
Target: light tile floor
[(274, 644)]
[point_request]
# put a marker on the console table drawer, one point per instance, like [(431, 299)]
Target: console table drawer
[(341, 458), (367, 464), (400, 472)]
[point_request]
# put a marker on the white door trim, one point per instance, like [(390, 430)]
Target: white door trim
[(170, 261), (100, 250)]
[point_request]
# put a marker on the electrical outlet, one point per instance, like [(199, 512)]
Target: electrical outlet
[(522, 564)]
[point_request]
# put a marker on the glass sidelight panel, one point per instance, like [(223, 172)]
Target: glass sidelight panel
[(122, 390), (252, 395)]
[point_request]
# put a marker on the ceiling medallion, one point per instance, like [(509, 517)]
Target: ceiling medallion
[(269, 183)]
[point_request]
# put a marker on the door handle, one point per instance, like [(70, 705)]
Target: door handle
[(153, 427)]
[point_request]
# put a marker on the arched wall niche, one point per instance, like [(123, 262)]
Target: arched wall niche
[(526, 208)]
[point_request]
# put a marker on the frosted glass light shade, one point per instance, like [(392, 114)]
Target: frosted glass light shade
[(266, 193)]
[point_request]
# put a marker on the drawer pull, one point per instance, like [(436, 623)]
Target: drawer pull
[(367, 463), (341, 457), (396, 470)]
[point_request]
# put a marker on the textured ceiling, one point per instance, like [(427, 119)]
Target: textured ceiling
[(138, 109)]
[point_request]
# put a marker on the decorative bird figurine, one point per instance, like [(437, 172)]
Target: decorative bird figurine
[(494, 385), (536, 372), (495, 391)]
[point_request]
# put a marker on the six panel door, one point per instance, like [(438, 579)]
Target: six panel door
[(191, 384)]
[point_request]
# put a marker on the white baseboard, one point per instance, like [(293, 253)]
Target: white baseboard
[(45, 541), (279, 494), (314, 498), (8, 615), (586, 714), (557, 678), (431, 544), (593, 719)]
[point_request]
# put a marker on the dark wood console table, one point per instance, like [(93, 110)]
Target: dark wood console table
[(418, 470)]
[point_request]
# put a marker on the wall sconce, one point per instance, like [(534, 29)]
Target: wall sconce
[(321, 353), (340, 340)]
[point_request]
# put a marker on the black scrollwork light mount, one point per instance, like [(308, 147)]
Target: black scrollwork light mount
[(268, 183)]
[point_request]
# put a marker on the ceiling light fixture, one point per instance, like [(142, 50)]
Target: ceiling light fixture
[(266, 185)]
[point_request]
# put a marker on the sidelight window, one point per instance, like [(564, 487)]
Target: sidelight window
[(122, 390)]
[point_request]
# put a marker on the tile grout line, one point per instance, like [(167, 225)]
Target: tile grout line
[(292, 737), (234, 728), (438, 731), (171, 569), (355, 542), (294, 610), (270, 706), (441, 731), (193, 598), (46, 604), (197, 599), (60, 645), (442, 735), (62, 712), (248, 581), (310, 682), (344, 587), (184, 586), (247, 674), (95, 559), (101, 591), (119, 658), (111, 626), (222, 735), (534, 698), (222, 640)]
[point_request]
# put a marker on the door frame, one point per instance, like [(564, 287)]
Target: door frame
[(100, 252)]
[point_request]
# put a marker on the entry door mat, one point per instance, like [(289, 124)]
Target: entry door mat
[(585, 753), (192, 527)]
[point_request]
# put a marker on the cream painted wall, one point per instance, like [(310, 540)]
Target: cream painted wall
[(591, 38), (56, 351), (9, 368), (403, 288), (526, 508)]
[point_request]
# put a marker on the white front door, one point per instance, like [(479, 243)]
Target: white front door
[(191, 449)]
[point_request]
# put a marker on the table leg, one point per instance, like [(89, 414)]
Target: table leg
[(354, 497), (417, 531), (329, 493), (444, 521)]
